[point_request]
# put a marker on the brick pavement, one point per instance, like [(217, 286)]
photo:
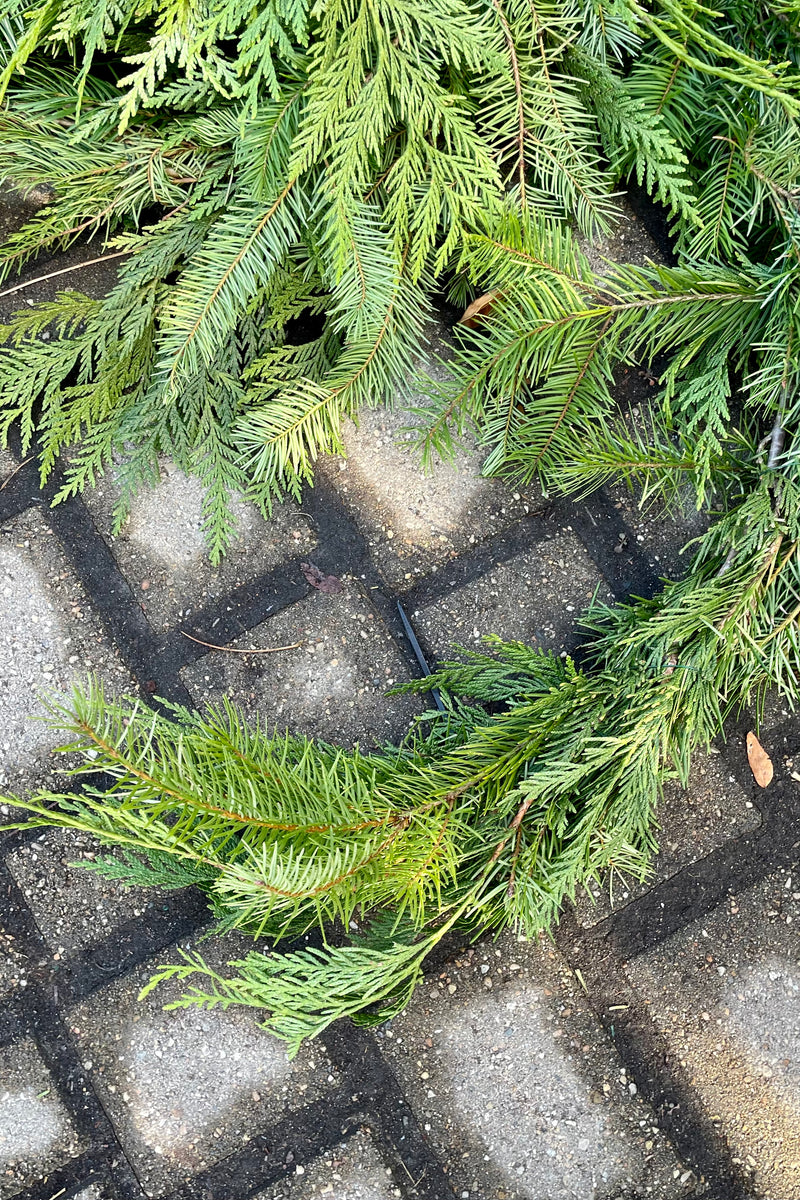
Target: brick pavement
[(651, 1050)]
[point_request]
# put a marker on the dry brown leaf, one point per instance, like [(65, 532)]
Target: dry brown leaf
[(760, 761), (479, 308), (319, 580)]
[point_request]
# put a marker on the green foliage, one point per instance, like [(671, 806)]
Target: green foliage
[(150, 868), (706, 118), (477, 820), (536, 377), (335, 165), (256, 166)]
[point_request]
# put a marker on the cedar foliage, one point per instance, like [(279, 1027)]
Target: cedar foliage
[(283, 161), (347, 159)]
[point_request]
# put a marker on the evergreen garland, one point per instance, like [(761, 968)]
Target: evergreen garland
[(346, 160), (474, 820)]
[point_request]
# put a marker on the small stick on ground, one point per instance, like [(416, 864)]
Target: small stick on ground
[(24, 463), (235, 650), (90, 262)]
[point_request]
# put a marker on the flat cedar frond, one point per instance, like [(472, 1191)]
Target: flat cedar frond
[(637, 140), (546, 136), (99, 179), (307, 990), (151, 868)]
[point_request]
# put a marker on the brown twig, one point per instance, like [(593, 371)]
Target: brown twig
[(514, 858), (234, 650), (90, 262), (24, 463), (512, 829)]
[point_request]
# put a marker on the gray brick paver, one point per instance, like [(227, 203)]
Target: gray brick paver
[(36, 1134), (162, 551), (416, 518), (353, 1171), (665, 537), (725, 993), (518, 1088), (49, 638), (535, 597), (13, 964), (331, 686), (186, 1088), (75, 908), (691, 823)]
